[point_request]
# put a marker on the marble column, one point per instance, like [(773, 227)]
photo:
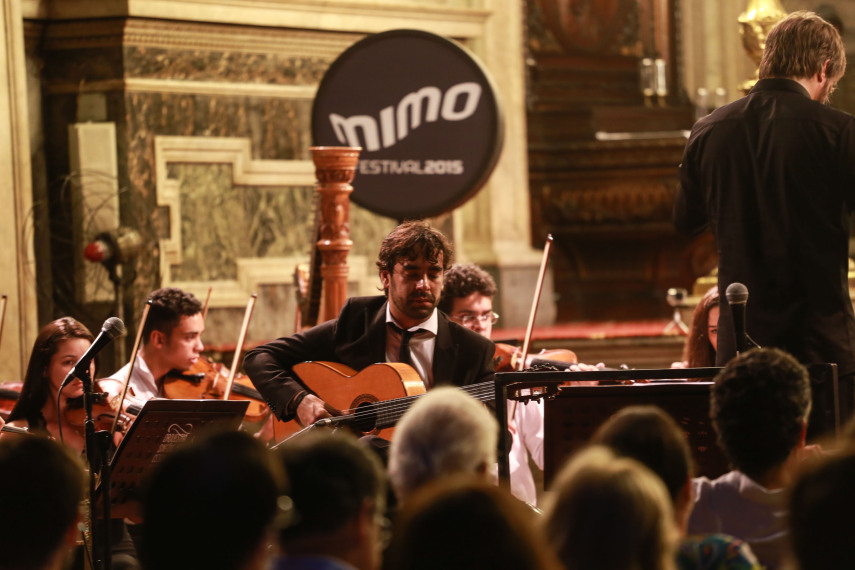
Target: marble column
[(17, 266), (494, 229)]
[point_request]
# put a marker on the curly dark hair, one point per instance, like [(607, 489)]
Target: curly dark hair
[(412, 239), (35, 390), (758, 405), (461, 280), (168, 305), (698, 350)]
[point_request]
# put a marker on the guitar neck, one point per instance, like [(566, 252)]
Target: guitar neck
[(389, 412)]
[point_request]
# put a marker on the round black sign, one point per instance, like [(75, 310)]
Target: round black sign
[(424, 112)]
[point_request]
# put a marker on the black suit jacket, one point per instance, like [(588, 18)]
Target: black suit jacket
[(358, 339)]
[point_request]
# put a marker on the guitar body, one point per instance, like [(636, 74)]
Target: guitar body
[(346, 391)]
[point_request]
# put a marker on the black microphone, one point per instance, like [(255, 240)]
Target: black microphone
[(112, 328), (737, 298)]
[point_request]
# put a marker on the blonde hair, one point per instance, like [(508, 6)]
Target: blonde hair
[(798, 47), (610, 513)]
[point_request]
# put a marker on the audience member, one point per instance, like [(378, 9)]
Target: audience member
[(759, 407), (652, 437), (338, 490), (41, 486), (464, 523), (821, 504), (211, 504), (446, 432), (610, 513)]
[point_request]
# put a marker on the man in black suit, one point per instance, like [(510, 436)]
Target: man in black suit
[(773, 175), (412, 262)]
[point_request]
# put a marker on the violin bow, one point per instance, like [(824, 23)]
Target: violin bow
[(207, 302), (2, 313), (239, 347), (134, 352), (538, 288)]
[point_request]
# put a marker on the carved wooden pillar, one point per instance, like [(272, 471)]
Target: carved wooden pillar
[(334, 169)]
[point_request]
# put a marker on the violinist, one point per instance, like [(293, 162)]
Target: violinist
[(172, 340), (468, 300), (59, 345)]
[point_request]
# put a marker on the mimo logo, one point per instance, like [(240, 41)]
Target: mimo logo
[(458, 103)]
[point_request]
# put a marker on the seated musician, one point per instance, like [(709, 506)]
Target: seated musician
[(702, 340), (171, 340), (58, 347), (468, 300), (412, 262)]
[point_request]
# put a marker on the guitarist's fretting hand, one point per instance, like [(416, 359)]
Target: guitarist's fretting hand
[(310, 410)]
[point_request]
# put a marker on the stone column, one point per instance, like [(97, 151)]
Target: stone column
[(494, 229), (17, 260)]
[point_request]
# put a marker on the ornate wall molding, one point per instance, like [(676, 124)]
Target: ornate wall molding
[(246, 171), (332, 15)]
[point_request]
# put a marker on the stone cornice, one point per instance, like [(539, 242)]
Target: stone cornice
[(195, 36), (331, 15)]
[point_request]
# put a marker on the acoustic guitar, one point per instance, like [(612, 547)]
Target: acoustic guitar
[(370, 401)]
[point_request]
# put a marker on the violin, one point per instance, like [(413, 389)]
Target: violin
[(9, 394), (104, 413), (508, 358), (206, 380)]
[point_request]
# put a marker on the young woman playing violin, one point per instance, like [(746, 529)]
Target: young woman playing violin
[(58, 346)]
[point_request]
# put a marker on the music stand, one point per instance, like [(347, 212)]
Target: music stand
[(161, 426)]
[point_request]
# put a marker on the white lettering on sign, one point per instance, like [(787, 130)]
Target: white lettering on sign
[(458, 103), (430, 167)]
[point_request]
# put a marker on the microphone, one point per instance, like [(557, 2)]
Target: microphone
[(737, 298), (112, 328)]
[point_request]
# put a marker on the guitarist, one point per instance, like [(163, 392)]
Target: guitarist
[(412, 263)]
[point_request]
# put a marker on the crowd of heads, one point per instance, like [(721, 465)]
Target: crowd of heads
[(226, 501)]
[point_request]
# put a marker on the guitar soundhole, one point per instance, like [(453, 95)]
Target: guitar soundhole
[(366, 414)]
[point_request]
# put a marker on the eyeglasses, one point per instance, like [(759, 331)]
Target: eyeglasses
[(469, 319)]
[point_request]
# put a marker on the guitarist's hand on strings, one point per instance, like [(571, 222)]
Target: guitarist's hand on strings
[(311, 409)]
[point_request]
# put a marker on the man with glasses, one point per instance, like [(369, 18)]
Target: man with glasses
[(467, 298)]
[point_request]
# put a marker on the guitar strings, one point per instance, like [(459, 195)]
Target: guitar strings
[(384, 412)]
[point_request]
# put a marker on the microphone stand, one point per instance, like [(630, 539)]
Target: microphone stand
[(97, 448)]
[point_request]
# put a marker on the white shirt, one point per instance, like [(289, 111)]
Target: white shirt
[(421, 345), (527, 439), (734, 504), (143, 387)]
